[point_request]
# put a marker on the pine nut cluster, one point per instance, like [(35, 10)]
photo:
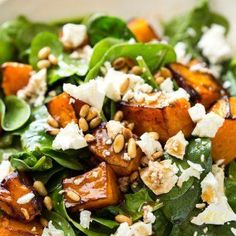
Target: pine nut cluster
[(46, 59)]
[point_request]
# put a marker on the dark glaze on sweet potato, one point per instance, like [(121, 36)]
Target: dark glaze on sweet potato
[(15, 77), (97, 188), (223, 144), (207, 88), (14, 186), (167, 121), (142, 30), (115, 160), (13, 227)]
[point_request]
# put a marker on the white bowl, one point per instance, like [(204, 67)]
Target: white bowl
[(153, 10)]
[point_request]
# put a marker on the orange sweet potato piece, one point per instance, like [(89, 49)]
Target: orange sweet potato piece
[(223, 144), (62, 110), (12, 227), (15, 77), (207, 88), (142, 30), (96, 188), (12, 188), (115, 160), (166, 121)]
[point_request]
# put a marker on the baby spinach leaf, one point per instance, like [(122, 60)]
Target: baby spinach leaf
[(232, 170), (59, 222), (230, 190), (44, 39), (231, 78), (161, 226), (108, 223), (14, 113), (6, 51), (151, 53), (100, 27)]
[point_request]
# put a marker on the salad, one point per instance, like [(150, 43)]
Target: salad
[(110, 128)]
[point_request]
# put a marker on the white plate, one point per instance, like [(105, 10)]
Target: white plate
[(153, 10)]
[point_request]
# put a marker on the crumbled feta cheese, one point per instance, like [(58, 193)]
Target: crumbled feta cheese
[(148, 216), (181, 53), (114, 128), (123, 230), (84, 53), (233, 230), (25, 198), (36, 88), (214, 45), (70, 137), (85, 218), (73, 35), (197, 112), (91, 93), (167, 85), (148, 144), (160, 177), (180, 93), (5, 169), (51, 230), (176, 145), (200, 205), (194, 170), (141, 229), (208, 126)]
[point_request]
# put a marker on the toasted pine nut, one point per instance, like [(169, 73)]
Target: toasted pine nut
[(118, 116), (54, 131), (119, 143), (132, 149), (91, 114), (44, 53), (40, 188), (160, 79), (119, 63), (166, 73), (89, 138), (43, 222), (52, 122), (73, 196), (127, 133), (157, 155), (25, 213), (53, 59), (48, 203), (136, 70), (130, 126), (95, 122), (154, 135), (43, 64), (124, 86), (133, 176), (123, 218), (84, 111), (83, 124)]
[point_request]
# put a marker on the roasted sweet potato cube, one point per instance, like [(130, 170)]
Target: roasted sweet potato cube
[(142, 30), (223, 144), (12, 189), (203, 83), (166, 121), (116, 160), (61, 109), (15, 77), (10, 227), (94, 189)]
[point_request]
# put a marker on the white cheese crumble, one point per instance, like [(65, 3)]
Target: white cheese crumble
[(197, 112), (194, 170), (167, 85), (114, 128), (84, 53), (85, 218), (176, 145), (25, 198), (36, 88), (148, 216), (70, 137), (149, 145), (5, 169), (214, 45), (181, 53), (51, 230), (208, 125), (73, 35), (160, 177), (91, 93), (233, 230)]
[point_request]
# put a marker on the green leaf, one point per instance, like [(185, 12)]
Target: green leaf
[(231, 78), (6, 51), (44, 39), (108, 223), (230, 190), (151, 53), (59, 222), (14, 113), (232, 170), (161, 226), (100, 27)]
